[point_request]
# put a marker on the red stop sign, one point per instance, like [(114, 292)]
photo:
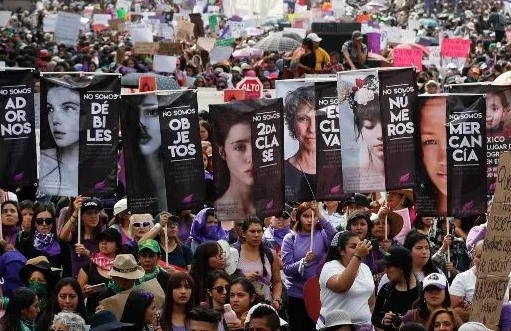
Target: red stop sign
[(252, 86)]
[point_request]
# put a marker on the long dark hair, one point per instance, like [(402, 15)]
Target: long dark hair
[(211, 278), (411, 239), (20, 299), (200, 268), (422, 306), (176, 279), (135, 308), (370, 226), (70, 211), (246, 224), (333, 251), (40, 209), (249, 288)]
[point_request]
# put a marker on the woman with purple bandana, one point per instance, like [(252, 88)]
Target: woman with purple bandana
[(279, 227), (11, 220), (206, 227), (300, 262)]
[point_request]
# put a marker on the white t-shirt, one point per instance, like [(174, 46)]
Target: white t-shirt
[(464, 285), (354, 301)]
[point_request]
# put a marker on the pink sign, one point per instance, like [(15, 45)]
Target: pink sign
[(408, 58), (455, 47)]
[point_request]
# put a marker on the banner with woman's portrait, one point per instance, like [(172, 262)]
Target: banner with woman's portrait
[(362, 146), (299, 138), (163, 159), (248, 158), (498, 123), (398, 100), (79, 135), (17, 129), (451, 160), (328, 150)]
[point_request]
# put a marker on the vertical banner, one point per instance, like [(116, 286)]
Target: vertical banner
[(248, 158), (79, 125), (164, 169), (299, 138), (398, 100), (451, 163), (328, 150), (361, 131), (18, 166)]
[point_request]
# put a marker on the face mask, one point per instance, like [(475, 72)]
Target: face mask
[(210, 232), (41, 290)]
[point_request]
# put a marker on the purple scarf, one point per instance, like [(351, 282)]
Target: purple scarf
[(12, 233), (46, 243), (202, 233), (278, 235)]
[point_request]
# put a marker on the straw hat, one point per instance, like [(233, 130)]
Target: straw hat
[(125, 266), (337, 318)]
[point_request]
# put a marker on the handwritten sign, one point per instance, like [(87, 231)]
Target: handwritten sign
[(185, 30), (495, 265), (455, 47), (407, 58), (206, 44), (144, 47), (169, 48)]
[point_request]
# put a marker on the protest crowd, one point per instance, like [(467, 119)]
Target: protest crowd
[(201, 237)]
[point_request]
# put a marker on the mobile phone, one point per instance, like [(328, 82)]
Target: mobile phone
[(375, 244), (97, 288)]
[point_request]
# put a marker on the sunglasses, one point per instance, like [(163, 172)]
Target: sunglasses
[(47, 221), (141, 224), (222, 289)]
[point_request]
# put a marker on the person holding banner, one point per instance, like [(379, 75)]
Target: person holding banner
[(300, 117), (302, 254)]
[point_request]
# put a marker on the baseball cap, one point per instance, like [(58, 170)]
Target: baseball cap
[(451, 66), (359, 214), (150, 244), (398, 256), (92, 203), (314, 37), (359, 199), (434, 279), (120, 206), (356, 35), (110, 234)]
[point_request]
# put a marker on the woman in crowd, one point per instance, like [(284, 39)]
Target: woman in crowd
[(140, 224), (435, 295), (206, 227), (259, 264), (300, 117), (149, 253), (242, 296), (345, 282), (90, 228), (418, 245), (140, 310), (218, 284), (11, 220), (42, 240), (300, 262), (67, 321), (307, 61), (463, 288), (27, 212), (178, 302), (333, 212), (21, 312), (444, 320), (424, 225), (233, 165), (122, 222), (402, 201), (67, 297), (178, 255), (38, 276), (96, 271), (277, 229), (205, 131), (399, 294)]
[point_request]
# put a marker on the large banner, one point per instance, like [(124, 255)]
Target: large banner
[(18, 166), (363, 164), (79, 125), (451, 160), (163, 159), (498, 123), (328, 151), (299, 138), (398, 99), (248, 158)]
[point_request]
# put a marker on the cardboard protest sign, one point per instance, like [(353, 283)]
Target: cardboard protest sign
[(495, 264), (167, 31), (143, 47), (117, 25), (164, 63), (206, 44), (140, 32), (66, 29), (185, 30), (455, 47), (220, 53), (167, 48), (17, 129), (88, 138), (408, 58)]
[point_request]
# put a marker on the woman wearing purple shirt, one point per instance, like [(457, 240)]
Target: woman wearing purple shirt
[(300, 262), (11, 219)]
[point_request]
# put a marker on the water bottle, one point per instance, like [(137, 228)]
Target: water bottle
[(229, 314)]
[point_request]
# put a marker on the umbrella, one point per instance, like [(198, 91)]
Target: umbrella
[(428, 22), (291, 35), (424, 49), (374, 7), (278, 43), (162, 82), (247, 52), (378, 57)]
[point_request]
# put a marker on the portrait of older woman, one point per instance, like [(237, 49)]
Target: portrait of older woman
[(300, 168)]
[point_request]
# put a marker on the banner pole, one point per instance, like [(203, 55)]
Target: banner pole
[(166, 247), (386, 228), (448, 247), (312, 232), (1, 228), (79, 222)]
